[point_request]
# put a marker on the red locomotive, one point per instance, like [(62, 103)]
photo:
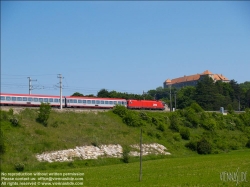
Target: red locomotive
[(145, 104)]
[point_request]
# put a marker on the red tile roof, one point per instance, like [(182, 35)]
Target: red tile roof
[(196, 77)]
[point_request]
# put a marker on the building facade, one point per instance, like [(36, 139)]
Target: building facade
[(191, 80)]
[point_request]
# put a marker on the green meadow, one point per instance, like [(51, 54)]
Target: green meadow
[(225, 160)]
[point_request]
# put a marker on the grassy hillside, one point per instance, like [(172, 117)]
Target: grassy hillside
[(23, 136)]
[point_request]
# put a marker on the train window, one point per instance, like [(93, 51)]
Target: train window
[(35, 99), (8, 98), (59, 100), (124, 103), (97, 102), (2, 98), (63, 100), (106, 102), (19, 99), (50, 100), (119, 102), (71, 100), (102, 102), (115, 102), (111, 102), (79, 101), (56, 100), (41, 100), (93, 101), (75, 101), (24, 98), (45, 100), (84, 101), (89, 101), (31, 99), (13, 98)]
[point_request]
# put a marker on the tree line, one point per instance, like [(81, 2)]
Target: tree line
[(208, 94)]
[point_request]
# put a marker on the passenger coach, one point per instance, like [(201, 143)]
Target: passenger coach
[(93, 102), (30, 100), (54, 101)]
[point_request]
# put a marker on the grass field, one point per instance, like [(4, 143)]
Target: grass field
[(183, 168), (195, 171), (190, 171)]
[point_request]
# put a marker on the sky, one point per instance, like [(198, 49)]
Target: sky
[(126, 46)]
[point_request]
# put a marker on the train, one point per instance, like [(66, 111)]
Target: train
[(34, 100)]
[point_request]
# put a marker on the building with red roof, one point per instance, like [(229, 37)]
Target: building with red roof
[(191, 80)]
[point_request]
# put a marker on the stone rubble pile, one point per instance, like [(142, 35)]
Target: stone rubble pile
[(149, 149), (92, 152)]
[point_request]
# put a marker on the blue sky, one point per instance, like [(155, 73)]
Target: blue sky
[(124, 46)]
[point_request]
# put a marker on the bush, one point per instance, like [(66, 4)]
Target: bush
[(125, 154), (132, 119), (192, 145), (204, 147), (185, 133), (209, 124), (174, 123), (55, 124), (44, 113), (2, 145), (248, 144), (14, 120), (19, 167), (144, 116), (177, 137), (196, 107), (230, 109), (161, 127), (120, 110), (158, 136)]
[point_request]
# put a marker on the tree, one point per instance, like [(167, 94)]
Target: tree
[(103, 93), (204, 147), (205, 93), (185, 97), (44, 112), (78, 94)]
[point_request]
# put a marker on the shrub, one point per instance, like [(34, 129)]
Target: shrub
[(204, 147), (44, 113), (19, 167), (55, 124), (95, 144), (125, 154), (150, 133), (177, 137), (196, 107), (14, 120), (174, 122), (158, 136), (154, 121), (191, 145), (11, 112), (209, 124), (2, 145), (120, 110), (144, 116), (185, 133), (132, 119), (161, 127), (230, 109), (248, 144)]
